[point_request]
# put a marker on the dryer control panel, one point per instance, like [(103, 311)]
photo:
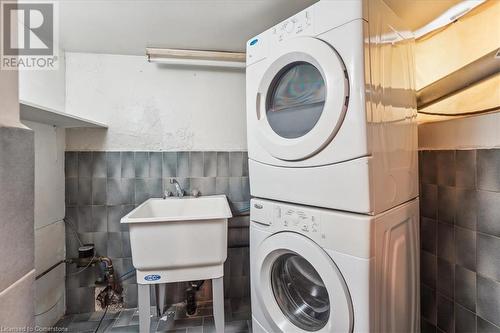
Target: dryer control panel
[(300, 24), (286, 217)]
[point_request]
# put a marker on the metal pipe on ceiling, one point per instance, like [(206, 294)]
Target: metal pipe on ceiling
[(471, 74)]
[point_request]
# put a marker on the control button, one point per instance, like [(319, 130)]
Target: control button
[(289, 26), (277, 212)]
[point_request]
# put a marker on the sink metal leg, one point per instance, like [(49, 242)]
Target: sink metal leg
[(218, 303), (160, 297), (144, 300)]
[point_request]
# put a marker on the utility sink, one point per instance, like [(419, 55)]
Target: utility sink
[(179, 239)]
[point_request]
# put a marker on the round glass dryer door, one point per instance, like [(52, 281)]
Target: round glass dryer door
[(296, 100), (300, 292), (302, 99)]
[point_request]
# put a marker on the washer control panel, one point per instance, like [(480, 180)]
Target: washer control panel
[(300, 24), (284, 217)]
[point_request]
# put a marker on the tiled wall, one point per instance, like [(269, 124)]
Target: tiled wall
[(460, 240), (101, 187)]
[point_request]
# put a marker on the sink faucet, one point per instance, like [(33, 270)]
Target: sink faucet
[(179, 192)]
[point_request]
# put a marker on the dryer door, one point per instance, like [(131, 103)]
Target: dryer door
[(301, 288), (302, 99)]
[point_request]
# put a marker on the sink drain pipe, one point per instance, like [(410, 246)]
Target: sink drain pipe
[(191, 306)]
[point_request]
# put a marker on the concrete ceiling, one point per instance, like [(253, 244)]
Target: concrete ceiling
[(129, 26)]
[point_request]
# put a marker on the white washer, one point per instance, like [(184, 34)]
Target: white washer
[(318, 270), (331, 109)]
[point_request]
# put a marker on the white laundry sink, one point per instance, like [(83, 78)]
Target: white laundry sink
[(179, 239)]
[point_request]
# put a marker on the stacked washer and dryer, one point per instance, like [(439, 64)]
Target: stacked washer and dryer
[(332, 145)]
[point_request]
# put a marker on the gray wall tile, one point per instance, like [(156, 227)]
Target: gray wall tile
[(488, 256), (99, 218), (465, 288), (128, 164), (114, 243), (85, 219), (488, 169), (205, 185), (465, 320), (210, 164), (71, 191), (465, 248), (488, 213), (222, 185), (429, 167), (84, 164), (428, 234), (71, 164), (429, 304), (141, 164), (99, 169), (183, 164), (428, 201), (196, 164), (223, 164), (236, 164), (169, 164), (484, 326), (235, 189), (98, 191), (446, 167), (445, 278), (113, 165), (445, 314), (446, 244), (84, 191), (488, 299), (428, 264), (156, 165), (446, 204), (466, 209), (466, 168)]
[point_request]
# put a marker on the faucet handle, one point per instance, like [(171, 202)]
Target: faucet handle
[(167, 194), (195, 193)]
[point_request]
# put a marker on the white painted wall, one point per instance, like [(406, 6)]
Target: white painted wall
[(153, 107), (482, 131), (44, 88), (9, 99), (49, 224)]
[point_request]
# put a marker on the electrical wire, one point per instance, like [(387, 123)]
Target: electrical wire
[(84, 268), (53, 306), (123, 275), (102, 318), (66, 220)]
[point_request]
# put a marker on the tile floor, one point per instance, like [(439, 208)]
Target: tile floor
[(238, 320)]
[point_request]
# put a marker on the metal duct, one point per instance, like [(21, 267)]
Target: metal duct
[(471, 74)]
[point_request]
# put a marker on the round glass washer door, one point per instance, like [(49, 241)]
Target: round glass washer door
[(300, 292), (302, 99), (300, 288)]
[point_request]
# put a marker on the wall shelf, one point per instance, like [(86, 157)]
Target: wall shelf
[(40, 114)]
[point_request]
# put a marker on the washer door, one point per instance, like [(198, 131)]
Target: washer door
[(301, 288), (302, 99)]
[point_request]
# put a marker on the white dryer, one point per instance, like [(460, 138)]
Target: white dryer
[(331, 109), (318, 270)]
